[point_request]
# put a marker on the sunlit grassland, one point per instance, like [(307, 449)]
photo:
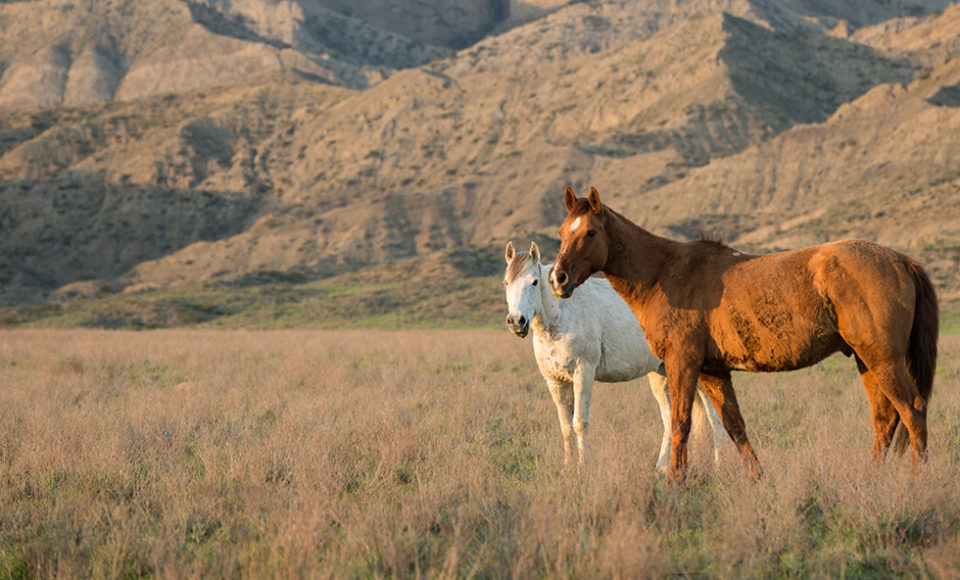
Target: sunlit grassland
[(182, 453)]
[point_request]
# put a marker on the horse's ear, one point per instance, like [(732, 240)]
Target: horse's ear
[(569, 198), (594, 200), (508, 253), (535, 251)]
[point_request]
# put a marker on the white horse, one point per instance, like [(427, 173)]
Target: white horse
[(593, 335)]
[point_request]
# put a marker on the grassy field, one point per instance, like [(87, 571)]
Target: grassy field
[(181, 453)]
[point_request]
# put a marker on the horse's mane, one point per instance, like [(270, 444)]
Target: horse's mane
[(711, 239), (516, 265)]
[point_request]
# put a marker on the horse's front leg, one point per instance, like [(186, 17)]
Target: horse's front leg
[(661, 392), (562, 393), (720, 390), (582, 392), (682, 373)]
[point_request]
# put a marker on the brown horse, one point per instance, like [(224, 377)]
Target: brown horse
[(707, 309)]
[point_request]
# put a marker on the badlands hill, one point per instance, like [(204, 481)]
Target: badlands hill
[(310, 161)]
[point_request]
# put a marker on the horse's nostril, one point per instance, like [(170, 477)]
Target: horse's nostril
[(562, 278), (522, 320), (509, 320)]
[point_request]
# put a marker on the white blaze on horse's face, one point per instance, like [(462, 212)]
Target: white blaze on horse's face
[(583, 251), (523, 293)]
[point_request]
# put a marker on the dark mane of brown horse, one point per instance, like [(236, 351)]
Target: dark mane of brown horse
[(710, 238), (708, 309)]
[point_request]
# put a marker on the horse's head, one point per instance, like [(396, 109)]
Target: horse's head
[(522, 284), (583, 243)]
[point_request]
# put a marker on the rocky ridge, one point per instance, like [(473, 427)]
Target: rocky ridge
[(771, 124)]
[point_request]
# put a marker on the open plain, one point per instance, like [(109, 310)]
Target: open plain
[(303, 205), (177, 453)]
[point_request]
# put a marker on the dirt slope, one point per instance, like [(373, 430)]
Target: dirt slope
[(175, 143), (58, 52)]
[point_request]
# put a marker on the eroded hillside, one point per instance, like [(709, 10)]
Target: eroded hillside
[(772, 124)]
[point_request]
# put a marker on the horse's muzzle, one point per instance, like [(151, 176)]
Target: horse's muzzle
[(519, 325), (562, 292), (560, 284)]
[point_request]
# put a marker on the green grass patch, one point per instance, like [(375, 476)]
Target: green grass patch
[(950, 322), (328, 304)]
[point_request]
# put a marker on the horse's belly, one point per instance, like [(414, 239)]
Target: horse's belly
[(767, 332), (621, 374), (783, 351), (626, 358)]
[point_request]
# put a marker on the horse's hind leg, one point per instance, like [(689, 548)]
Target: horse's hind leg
[(720, 390), (893, 380), (882, 361), (716, 424), (661, 392), (885, 417), (562, 393)]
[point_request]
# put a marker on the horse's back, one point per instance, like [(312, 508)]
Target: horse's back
[(851, 267), (791, 309)]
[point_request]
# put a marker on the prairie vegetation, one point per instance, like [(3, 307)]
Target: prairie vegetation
[(434, 453)]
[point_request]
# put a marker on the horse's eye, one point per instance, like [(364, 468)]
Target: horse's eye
[(591, 233), (535, 282)]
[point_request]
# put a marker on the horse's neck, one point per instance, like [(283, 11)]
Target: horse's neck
[(550, 307), (636, 258)]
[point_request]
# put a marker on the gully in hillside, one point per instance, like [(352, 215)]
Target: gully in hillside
[(707, 310)]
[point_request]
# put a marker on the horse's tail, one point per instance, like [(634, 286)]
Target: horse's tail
[(922, 348)]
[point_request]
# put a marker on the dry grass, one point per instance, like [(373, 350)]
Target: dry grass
[(378, 454)]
